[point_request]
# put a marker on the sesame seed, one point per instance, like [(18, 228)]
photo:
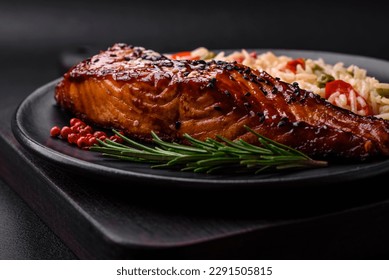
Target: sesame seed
[(281, 123)]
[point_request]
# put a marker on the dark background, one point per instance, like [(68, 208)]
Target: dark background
[(358, 27), (35, 35)]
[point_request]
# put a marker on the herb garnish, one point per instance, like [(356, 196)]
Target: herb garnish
[(209, 156)]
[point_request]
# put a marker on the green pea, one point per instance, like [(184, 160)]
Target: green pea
[(323, 79)]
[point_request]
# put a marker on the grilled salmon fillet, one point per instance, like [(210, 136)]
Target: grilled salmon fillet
[(138, 91)]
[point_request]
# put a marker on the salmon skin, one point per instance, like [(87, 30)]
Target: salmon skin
[(138, 91)]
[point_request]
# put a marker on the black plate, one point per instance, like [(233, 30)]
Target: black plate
[(38, 113)]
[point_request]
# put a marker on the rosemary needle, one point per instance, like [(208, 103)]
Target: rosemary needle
[(210, 155)]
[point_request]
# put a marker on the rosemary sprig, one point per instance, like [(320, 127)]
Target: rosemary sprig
[(210, 155)]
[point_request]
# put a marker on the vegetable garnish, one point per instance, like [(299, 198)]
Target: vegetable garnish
[(292, 65), (342, 94), (209, 156), (184, 55)]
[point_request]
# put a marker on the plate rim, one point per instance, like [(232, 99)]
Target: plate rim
[(68, 161)]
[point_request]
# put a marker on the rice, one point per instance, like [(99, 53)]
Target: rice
[(367, 96)]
